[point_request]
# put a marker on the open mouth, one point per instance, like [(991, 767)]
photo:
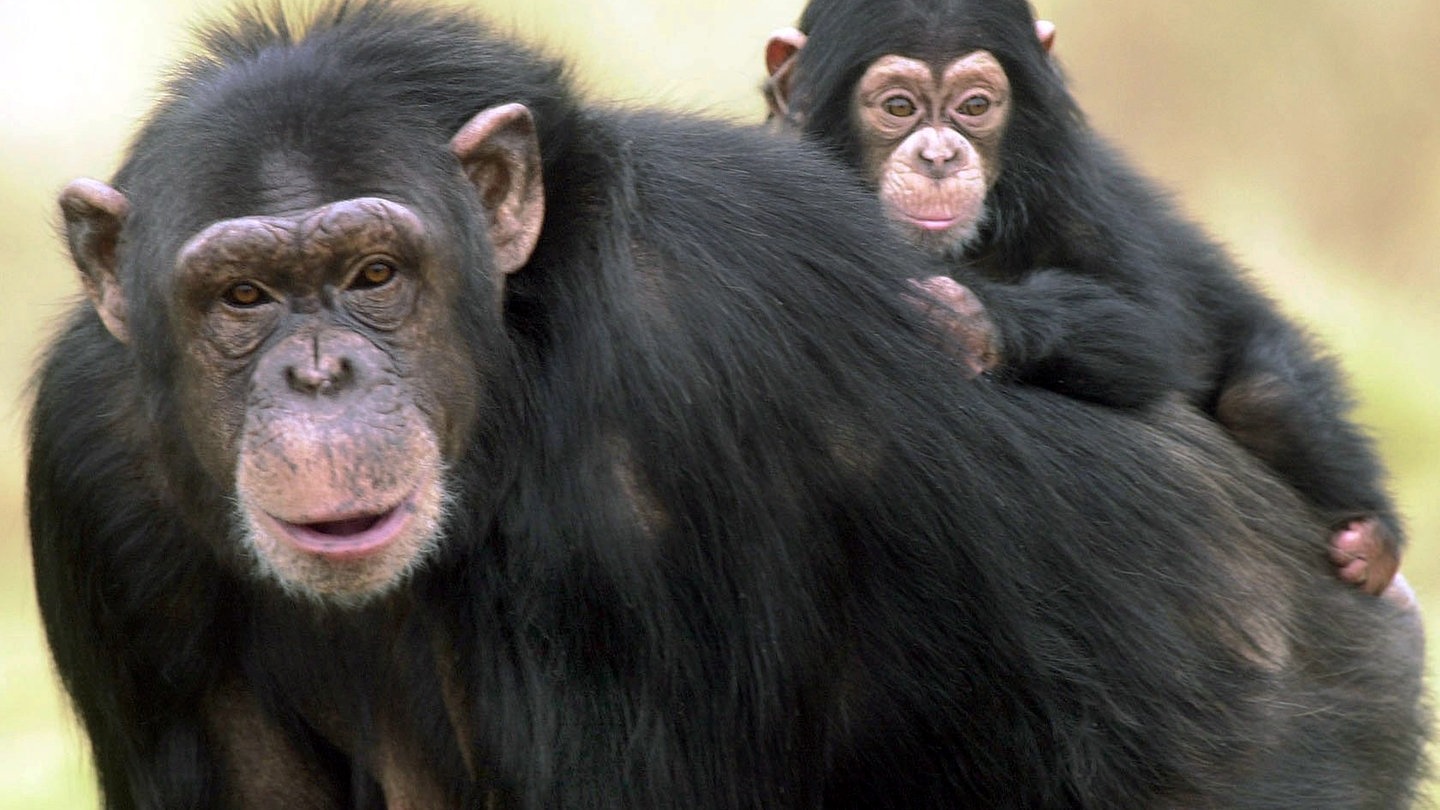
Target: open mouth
[(348, 526), (349, 536)]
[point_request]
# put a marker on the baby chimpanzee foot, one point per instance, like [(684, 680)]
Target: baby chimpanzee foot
[(1364, 554)]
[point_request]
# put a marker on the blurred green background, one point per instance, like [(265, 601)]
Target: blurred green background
[(1305, 133)]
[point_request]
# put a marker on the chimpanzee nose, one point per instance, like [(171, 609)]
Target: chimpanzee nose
[(328, 370), (937, 152), (330, 375)]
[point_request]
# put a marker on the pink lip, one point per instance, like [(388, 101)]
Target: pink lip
[(925, 224), (349, 537)]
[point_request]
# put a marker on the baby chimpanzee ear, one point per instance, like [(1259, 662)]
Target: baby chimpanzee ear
[(780, 52)]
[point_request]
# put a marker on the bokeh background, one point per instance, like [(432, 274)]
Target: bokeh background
[(1305, 133)]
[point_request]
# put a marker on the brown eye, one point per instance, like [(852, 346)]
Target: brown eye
[(245, 294), (974, 105), (374, 274), (898, 106)]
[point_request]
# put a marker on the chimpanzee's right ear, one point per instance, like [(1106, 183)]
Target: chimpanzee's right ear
[(1045, 32), (780, 53), (94, 214)]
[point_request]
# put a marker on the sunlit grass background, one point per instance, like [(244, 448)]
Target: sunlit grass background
[(1305, 133)]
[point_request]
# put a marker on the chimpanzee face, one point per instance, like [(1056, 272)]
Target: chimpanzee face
[(321, 377), (930, 142)]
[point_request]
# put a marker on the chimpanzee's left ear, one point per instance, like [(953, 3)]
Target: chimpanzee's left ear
[(500, 153), (94, 214), (780, 52)]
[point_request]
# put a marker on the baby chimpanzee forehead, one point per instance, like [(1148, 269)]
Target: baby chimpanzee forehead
[(942, 36), (935, 31)]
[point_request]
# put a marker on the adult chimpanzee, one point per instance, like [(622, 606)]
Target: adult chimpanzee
[(953, 112), (432, 440)]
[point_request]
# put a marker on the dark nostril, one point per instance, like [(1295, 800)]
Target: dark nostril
[(343, 374)]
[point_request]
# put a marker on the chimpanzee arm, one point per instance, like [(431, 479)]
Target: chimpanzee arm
[(1284, 400), (1062, 331), (103, 557)]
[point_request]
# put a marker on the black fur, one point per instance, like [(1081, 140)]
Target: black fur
[(1105, 292), (860, 582)]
